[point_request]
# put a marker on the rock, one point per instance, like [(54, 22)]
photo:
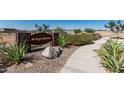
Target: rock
[(55, 52), (51, 52), (57, 49), (2, 70), (47, 52)]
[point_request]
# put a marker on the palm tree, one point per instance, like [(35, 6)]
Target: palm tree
[(105, 27), (115, 26), (43, 28), (119, 22), (111, 25), (122, 27), (39, 28), (118, 27)]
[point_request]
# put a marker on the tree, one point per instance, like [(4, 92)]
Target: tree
[(39, 28), (43, 28), (110, 25), (122, 27), (105, 27), (115, 26)]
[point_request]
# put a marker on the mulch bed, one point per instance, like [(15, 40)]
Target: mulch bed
[(38, 64)]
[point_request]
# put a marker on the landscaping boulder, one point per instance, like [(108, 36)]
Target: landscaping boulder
[(51, 52), (55, 51), (47, 52)]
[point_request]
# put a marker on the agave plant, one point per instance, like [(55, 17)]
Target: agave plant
[(63, 41), (16, 53), (112, 55), (115, 65)]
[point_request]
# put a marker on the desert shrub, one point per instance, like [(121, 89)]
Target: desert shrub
[(4, 62), (2, 44), (16, 53), (89, 30), (60, 31), (2, 56), (63, 41), (82, 39), (112, 55), (77, 31), (96, 36)]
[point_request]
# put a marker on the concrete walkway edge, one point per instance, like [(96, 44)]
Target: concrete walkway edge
[(85, 60)]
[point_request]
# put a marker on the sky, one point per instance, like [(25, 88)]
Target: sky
[(65, 24)]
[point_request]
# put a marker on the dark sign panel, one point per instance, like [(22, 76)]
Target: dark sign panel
[(41, 38), (24, 37), (37, 39)]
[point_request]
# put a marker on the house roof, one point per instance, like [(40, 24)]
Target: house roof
[(11, 30)]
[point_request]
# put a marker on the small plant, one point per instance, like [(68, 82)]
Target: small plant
[(16, 53), (63, 41), (112, 56), (77, 31), (89, 30)]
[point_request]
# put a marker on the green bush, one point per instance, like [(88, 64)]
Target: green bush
[(60, 31), (79, 40), (16, 53), (63, 41), (2, 44), (96, 36), (77, 31), (112, 56), (89, 30)]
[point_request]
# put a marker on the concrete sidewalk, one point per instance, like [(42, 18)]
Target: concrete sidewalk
[(85, 60)]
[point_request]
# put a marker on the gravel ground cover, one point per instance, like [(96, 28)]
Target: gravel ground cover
[(38, 64)]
